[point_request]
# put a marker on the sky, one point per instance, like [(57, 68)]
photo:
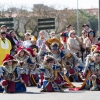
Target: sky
[(58, 4)]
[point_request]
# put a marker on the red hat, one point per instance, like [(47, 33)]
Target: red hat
[(8, 58), (21, 49), (31, 52), (97, 49)]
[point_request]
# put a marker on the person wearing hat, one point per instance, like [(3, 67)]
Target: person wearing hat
[(86, 27), (5, 46), (48, 68), (25, 63), (27, 42), (73, 43), (55, 48), (4, 29), (10, 81), (93, 66), (34, 46), (63, 39), (68, 28)]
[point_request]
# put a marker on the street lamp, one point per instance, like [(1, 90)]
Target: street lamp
[(10, 13)]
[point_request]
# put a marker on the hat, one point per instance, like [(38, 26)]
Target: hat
[(8, 58), (33, 38), (97, 49), (22, 49), (68, 26), (52, 41), (48, 58), (3, 32), (3, 26), (65, 34), (54, 46), (85, 25), (93, 47), (31, 52), (27, 33)]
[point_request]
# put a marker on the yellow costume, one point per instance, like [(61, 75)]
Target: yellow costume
[(5, 47)]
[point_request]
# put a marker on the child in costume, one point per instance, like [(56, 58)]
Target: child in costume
[(24, 59), (48, 67), (10, 81), (93, 66), (34, 72), (33, 46)]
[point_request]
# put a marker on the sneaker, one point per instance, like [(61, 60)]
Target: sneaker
[(5, 91), (42, 90), (94, 88)]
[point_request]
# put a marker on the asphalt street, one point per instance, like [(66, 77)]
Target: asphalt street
[(33, 93)]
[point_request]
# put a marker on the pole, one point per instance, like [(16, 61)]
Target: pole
[(78, 33), (99, 20)]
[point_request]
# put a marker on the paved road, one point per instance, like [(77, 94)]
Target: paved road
[(34, 94)]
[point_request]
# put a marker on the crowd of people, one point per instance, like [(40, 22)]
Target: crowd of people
[(49, 63)]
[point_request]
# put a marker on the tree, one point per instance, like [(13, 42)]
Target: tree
[(92, 19)]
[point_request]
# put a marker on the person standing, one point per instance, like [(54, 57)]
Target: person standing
[(5, 46), (43, 36), (3, 28), (73, 43), (86, 27), (27, 42)]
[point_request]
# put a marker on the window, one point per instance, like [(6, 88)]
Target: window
[(94, 13)]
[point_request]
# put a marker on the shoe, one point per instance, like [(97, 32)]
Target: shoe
[(94, 88), (42, 90), (5, 91)]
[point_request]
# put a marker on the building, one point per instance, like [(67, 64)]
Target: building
[(92, 11)]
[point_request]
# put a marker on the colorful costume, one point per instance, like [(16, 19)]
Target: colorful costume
[(10, 81), (93, 82), (66, 58), (5, 47), (49, 83), (26, 66)]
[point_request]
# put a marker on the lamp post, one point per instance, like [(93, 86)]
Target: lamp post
[(10, 13), (78, 33)]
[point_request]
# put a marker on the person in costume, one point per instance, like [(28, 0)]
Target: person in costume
[(33, 46), (10, 81), (63, 39), (48, 67), (73, 61), (25, 61), (34, 72), (93, 65), (5, 46)]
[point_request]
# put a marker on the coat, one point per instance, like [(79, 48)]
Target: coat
[(73, 45)]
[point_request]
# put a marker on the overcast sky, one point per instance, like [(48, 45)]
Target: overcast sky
[(59, 4)]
